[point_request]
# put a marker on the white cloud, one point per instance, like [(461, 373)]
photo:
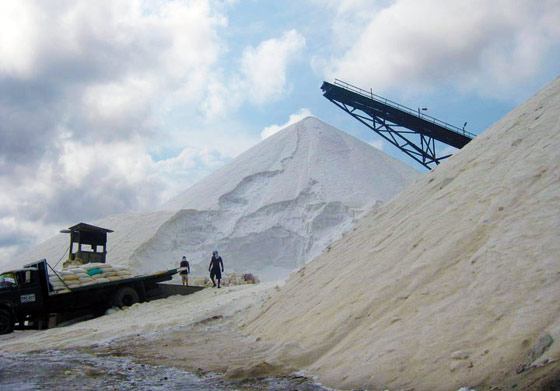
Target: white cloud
[(118, 100), (487, 47), (224, 96), (262, 77), (18, 37), (114, 61), (348, 19), (127, 35), (264, 67), (270, 130)]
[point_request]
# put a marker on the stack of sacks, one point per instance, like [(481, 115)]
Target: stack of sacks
[(241, 279), (88, 274), (102, 272), (228, 280), (71, 278), (57, 283)]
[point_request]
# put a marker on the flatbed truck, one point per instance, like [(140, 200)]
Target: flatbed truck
[(27, 297)]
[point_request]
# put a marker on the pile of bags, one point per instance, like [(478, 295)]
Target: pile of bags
[(228, 279), (88, 274)]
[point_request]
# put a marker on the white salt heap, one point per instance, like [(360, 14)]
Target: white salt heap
[(453, 283), (268, 211)]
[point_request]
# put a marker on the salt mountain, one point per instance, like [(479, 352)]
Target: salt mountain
[(268, 211), (453, 283)]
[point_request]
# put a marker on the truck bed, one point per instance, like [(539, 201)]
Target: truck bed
[(102, 295), (147, 278)]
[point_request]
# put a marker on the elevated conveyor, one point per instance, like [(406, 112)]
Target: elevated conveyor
[(413, 132)]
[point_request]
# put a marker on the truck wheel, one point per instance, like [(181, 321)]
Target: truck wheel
[(125, 297), (6, 322)]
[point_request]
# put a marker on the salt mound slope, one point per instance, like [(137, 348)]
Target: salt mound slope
[(279, 204), (448, 285), (307, 159), (268, 211)]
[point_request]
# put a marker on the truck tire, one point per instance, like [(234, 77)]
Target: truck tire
[(6, 322), (125, 297)]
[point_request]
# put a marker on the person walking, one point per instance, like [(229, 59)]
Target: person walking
[(214, 268), (185, 270)]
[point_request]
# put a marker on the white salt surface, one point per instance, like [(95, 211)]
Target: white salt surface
[(142, 318), (451, 283), (268, 211)]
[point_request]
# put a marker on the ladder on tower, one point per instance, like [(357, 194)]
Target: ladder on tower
[(412, 131)]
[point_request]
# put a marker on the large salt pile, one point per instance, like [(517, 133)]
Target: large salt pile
[(268, 211), (454, 283)]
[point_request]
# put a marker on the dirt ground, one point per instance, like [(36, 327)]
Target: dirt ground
[(207, 340), (217, 345), (212, 345)]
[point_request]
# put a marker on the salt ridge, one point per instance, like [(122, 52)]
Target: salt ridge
[(451, 284)]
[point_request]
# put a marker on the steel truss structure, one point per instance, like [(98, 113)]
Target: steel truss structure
[(413, 132)]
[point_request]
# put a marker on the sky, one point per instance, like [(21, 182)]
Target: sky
[(114, 106)]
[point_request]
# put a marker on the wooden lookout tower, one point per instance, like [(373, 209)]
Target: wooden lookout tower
[(88, 243)]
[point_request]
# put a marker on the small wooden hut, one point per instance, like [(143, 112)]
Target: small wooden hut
[(88, 243)]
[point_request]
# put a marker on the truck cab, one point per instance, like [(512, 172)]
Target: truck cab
[(21, 292)]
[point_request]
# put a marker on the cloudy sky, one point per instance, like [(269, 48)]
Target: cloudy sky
[(111, 106)]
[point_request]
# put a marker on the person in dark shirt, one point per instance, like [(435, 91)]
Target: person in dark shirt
[(185, 270), (214, 268)]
